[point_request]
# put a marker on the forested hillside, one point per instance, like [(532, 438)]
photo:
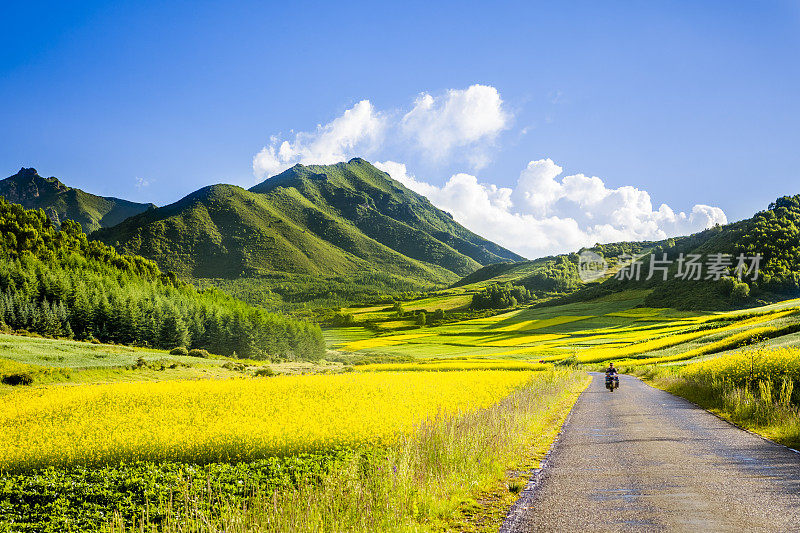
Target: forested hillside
[(61, 202), (341, 220), (58, 283), (773, 234)]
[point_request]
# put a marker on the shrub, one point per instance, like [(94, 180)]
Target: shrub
[(198, 352), (740, 291), (23, 378), (266, 372), (180, 350)]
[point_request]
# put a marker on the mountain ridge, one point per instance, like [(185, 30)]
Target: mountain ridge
[(318, 219), (61, 202)]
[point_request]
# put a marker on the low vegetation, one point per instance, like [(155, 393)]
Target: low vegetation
[(758, 389)]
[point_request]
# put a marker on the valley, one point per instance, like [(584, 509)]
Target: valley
[(205, 360)]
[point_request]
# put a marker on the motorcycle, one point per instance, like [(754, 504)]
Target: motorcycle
[(612, 382)]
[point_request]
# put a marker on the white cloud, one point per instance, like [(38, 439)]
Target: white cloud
[(545, 214), (464, 122), (457, 119), (357, 132), (141, 183)]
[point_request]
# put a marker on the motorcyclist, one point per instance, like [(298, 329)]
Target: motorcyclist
[(611, 371)]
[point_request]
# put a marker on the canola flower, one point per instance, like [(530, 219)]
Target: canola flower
[(604, 354), (528, 325), (726, 343), (231, 420), (445, 365), (380, 342), (749, 367)]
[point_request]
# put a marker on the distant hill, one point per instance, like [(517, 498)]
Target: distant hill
[(61, 202), (773, 233), (330, 220)]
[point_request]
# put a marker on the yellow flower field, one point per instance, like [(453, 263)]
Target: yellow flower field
[(379, 342), (605, 354), (527, 325), (725, 343), (445, 365), (230, 420), (749, 366)]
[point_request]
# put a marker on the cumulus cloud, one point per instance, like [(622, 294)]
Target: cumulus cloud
[(458, 119), (546, 213), (356, 132), (462, 122)]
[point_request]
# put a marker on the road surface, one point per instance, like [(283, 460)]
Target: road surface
[(640, 459)]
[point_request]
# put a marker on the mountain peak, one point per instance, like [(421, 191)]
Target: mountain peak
[(344, 219), (25, 172), (60, 201)]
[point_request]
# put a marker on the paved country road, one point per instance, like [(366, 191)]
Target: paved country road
[(640, 459)]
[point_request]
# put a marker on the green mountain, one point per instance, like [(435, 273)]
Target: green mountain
[(323, 221), (61, 202), (774, 234)]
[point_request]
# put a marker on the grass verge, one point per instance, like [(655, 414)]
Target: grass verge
[(751, 389)]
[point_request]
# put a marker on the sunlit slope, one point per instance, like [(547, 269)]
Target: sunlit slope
[(387, 211), (609, 328), (61, 202), (321, 221)]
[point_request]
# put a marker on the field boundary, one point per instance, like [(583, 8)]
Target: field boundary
[(523, 503)]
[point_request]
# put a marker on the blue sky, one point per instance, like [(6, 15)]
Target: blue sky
[(693, 102)]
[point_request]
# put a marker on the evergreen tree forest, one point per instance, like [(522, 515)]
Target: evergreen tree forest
[(58, 283)]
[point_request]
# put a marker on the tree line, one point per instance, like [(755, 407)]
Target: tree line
[(58, 283)]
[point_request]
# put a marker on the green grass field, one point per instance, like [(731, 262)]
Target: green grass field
[(611, 328)]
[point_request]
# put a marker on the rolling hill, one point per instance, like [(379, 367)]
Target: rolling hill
[(331, 220), (772, 233), (61, 202)]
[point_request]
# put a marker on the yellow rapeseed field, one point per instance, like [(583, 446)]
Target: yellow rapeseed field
[(380, 342), (444, 365), (527, 325), (604, 354), (724, 343), (749, 366), (230, 420)]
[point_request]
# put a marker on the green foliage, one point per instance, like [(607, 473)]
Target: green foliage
[(317, 221), (58, 283), (180, 350), (198, 352), (82, 499), (740, 291), (62, 203), (22, 378), (500, 296)]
